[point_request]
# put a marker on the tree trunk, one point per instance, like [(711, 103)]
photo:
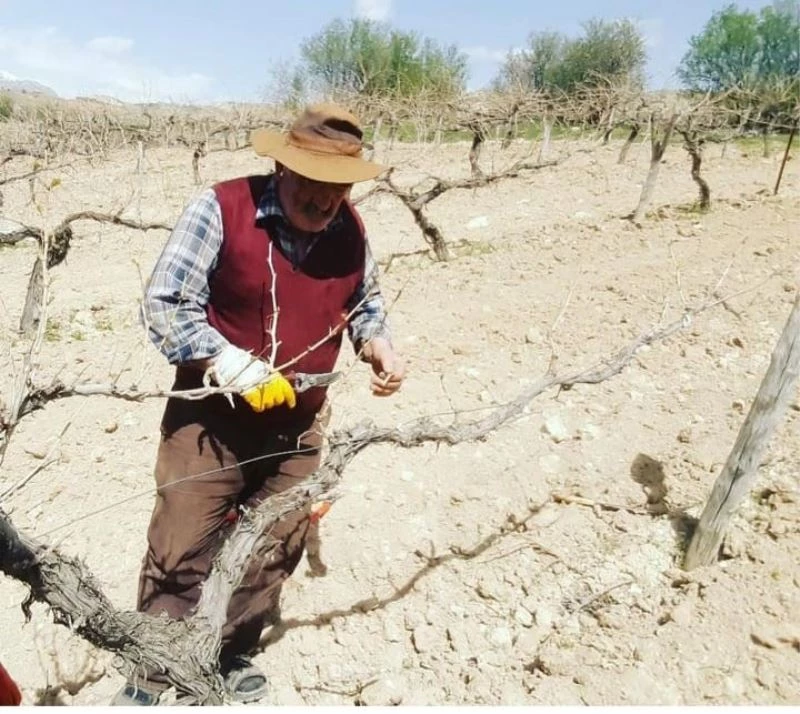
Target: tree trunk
[(609, 126), (475, 153), (544, 148), (695, 149), (196, 156), (657, 149), (29, 322), (623, 153), (765, 138)]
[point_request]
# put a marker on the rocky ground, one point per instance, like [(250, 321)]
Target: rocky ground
[(539, 565)]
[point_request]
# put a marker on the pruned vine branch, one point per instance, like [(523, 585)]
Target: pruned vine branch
[(416, 201), (186, 651)]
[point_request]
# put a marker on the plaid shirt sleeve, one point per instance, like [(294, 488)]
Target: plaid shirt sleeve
[(369, 318), (173, 308)]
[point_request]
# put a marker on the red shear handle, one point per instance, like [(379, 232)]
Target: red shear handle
[(9, 691)]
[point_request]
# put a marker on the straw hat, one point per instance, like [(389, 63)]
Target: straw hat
[(323, 144)]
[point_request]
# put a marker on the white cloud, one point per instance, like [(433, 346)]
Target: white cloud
[(8, 76), (110, 44), (101, 66), (481, 53), (373, 9)]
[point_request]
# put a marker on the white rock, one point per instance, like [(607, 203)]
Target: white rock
[(590, 431), (523, 617), (392, 632), (555, 428), (501, 637), (544, 617), (478, 222), (407, 476), (387, 691), (533, 337), (426, 639)]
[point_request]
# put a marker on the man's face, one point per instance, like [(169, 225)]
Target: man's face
[(309, 205)]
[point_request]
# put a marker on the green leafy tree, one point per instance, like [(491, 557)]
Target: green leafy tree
[(369, 58), (607, 51), (742, 49), (533, 68)]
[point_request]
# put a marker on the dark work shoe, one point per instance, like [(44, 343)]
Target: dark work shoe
[(244, 682)]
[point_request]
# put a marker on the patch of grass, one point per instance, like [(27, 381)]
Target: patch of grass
[(691, 209), (103, 323), (52, 331), (78, 336), (6, 107), (467, 248)]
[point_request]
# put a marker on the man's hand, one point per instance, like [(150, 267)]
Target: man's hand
[(388, 370), (252, 379)]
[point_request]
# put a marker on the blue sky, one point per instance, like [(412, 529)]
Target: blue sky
[(212, 50)]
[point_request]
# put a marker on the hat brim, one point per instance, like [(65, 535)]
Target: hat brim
[(316, 165)]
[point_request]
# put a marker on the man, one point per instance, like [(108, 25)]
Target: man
[(259, 272)]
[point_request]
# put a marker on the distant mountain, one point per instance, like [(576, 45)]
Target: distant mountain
[(10, 83)]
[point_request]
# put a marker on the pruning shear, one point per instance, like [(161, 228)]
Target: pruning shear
[(302, 381)]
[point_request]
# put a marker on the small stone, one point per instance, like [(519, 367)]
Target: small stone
[(426, 638), (387, 691), (413, 619), (588, 432), (543, 617), (407, 476), (458, 640), (130, 420), (501, 637), (111, 428), (682, 614), (624, 521), (478, 222), (523, 617), (489, 589), (685, 436), (533, 337), (392, 632), (555, 428)]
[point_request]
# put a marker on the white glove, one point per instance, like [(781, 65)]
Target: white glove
[(259, 386)]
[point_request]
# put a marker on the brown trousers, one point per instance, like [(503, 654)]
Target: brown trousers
[(210, 462)]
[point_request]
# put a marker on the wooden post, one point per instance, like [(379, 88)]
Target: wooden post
[(785, 158), (741, 468)]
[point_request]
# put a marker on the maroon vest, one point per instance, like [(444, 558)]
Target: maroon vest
[(311, 299)]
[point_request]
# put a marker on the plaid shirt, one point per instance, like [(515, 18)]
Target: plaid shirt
[(173, 309)]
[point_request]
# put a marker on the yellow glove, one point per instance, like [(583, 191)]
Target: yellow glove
[(260, 387), (270, 394)]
